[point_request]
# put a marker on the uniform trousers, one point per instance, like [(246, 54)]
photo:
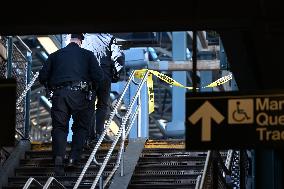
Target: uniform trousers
[(102, 108), (67, 102)]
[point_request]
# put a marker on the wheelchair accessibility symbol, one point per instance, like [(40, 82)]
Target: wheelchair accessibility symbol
[(240, 111)]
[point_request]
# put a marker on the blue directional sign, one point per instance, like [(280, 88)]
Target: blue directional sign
[(229, 120)]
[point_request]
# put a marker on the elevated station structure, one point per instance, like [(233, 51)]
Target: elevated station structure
[(250, 33)]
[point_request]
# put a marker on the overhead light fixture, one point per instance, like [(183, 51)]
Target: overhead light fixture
[(47, 44)]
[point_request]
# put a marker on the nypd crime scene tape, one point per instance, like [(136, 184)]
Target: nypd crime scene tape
[(140, 73)]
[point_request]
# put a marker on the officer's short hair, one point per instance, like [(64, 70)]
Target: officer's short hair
[(78, 36)]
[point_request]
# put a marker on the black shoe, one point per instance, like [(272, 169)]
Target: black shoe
[(108, 139), (58, 166), (73, 163), (90, 144)]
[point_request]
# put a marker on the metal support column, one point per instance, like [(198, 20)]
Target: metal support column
[(205, 76), (223, 56), (215, 170), (176, 127), (205, 79), (143, 114), (10, 57), (28, 96), (194, 61)]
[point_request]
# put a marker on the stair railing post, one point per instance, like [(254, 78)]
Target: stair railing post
[(101, 183), (215, 177), (9, 56), (28, 96), (139, 117), (122, 150), (119, 133)]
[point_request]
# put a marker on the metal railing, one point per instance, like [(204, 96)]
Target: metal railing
[(229, 159), (112, 114), (119, 160), (15, 66), (30, 181), (28, 57), (220, 174), (56, 182), (198, 181), (121, 132), (46, 185), (24, 44), (201, 181)]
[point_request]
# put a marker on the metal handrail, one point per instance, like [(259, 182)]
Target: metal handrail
[(52, 179), (206, 167), (117, 164), (215, 156), (229, 159), (25, 58), (222, 164), (30, 181), (125, 118), (112, 114), (20, 133), (24, 44), (197, 184), (132, 118)]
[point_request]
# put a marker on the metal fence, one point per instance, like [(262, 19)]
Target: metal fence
[(19, 72)]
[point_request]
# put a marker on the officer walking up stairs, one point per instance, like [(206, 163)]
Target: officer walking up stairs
[(111, 59), (69, 73)]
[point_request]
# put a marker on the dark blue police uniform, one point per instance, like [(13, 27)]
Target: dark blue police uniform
[(112, 54), (68, 73)]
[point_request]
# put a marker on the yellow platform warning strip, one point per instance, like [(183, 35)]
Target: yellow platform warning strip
[(165, 144), (140, 73)]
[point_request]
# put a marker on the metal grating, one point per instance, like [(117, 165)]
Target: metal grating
[(19, 72)]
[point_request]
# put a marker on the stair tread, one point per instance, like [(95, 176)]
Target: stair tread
[(162, 164)]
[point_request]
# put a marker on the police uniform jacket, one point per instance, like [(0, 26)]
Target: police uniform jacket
[(70, 64)]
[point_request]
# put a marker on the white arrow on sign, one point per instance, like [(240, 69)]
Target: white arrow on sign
[(206, 112)]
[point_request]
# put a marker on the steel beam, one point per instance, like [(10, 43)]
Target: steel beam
[(9, 57), (180, 65), (199, 44), (202, 38), (28, 96), (176, 127)]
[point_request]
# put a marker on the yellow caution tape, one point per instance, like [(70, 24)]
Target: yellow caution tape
[(150, 87), (220, 81), (140, 73)]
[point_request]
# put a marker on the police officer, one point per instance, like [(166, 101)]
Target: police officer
[(68, 72), (111, 59)]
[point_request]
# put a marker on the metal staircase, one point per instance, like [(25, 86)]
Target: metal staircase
[(162, 164), (37, 163), (165, 164)]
